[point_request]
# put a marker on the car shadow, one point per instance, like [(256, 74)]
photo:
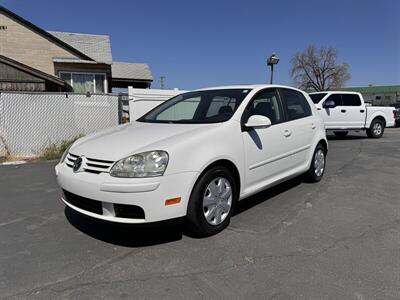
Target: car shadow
[(348, 137), (124, 234), (128, 235), (267, 194)]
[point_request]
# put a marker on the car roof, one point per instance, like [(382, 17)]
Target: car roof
[(334, 92), (247, 86)]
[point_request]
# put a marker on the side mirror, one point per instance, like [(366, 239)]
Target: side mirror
[(329, 104), (258, 121)]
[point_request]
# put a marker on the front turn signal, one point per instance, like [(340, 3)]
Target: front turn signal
[(173, 201)]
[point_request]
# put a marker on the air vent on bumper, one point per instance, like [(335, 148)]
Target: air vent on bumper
[(95, 206)]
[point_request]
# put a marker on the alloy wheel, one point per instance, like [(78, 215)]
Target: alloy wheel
[(377, 129)]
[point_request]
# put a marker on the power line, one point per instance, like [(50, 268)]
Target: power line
[(162, 79)]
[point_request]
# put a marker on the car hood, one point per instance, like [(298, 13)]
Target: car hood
[(122, 141)]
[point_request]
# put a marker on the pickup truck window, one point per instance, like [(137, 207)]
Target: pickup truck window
[(351, 100), (297, 106), (337, 98), (317, 97)]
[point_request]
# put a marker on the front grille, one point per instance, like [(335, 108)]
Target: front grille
[(70, 159), (90, 165), (128, 211), (93, 206)]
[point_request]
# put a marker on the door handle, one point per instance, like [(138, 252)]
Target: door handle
[(361, 110), (287, 133), (343, 110), (313, 126)]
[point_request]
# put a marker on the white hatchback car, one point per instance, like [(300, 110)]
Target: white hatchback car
[(195, 156)]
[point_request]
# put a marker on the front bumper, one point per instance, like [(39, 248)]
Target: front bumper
[(149, 194)]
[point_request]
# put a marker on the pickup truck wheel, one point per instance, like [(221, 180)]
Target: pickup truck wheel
[(317, 167), (212, 202), (340, 134), (376, 129)]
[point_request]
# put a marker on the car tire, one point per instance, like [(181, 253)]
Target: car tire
[(210, 208), (340, 134), (376, 129), (317, 166)]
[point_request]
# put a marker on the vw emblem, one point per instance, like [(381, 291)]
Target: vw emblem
[(77, 164)]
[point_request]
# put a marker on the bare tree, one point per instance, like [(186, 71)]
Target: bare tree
[(317, 69)]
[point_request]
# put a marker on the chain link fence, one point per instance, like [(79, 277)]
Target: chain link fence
[(30, 122)]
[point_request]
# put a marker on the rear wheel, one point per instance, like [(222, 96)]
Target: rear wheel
[(341, 134), (376, 129), (317, 167), (212, 202)]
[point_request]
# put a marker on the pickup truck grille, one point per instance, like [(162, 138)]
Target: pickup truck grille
[(91, 165)]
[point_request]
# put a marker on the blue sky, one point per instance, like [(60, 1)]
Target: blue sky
[(205, 43)]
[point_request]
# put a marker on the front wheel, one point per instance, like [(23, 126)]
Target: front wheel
[(212, 202), (317, 167), (376, 129)]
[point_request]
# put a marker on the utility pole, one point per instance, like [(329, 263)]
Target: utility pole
[(162, 79)]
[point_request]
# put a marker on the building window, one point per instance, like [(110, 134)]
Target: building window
[(85, 82), (99, 83)]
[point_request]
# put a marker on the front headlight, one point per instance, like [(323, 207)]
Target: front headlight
[(146, 164), (65, 154)]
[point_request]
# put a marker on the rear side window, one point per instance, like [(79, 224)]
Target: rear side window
[(351, 100), (337, 98), (297, 105)]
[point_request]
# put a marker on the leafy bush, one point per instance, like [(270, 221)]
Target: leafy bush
[(56, 150)]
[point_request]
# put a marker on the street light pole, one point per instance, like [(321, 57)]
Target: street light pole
[(271, 61), (272, 74)]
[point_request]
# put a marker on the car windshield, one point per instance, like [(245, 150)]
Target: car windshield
[(317, 97), (208, 106)]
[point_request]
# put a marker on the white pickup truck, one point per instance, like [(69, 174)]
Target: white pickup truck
[(346, 111)]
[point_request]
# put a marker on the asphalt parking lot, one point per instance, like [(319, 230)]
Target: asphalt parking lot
[(338, 239)]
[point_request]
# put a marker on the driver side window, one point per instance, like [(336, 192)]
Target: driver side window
[(267, 104), (337, 98)]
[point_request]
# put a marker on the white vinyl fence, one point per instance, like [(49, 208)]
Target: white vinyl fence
[(143, 100), (30, 122)]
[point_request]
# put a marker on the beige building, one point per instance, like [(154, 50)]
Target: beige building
[(34, 59)]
